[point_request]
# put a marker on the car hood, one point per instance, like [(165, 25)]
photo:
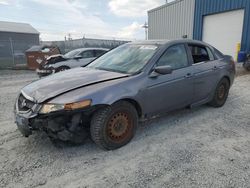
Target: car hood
[(54, 56), (63, 82)]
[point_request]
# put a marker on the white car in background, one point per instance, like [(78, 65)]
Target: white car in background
[(76, 58)]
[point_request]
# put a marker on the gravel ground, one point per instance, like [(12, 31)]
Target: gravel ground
[(201, 147)]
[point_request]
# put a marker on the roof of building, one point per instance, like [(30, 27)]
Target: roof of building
[(17, 27)]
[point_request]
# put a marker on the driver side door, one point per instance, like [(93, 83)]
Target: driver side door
[(171, 91)]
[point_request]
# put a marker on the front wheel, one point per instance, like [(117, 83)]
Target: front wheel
[(113, 127), (221, 93)]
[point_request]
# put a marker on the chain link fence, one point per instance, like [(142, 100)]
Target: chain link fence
[(66, 46), (12, 53)]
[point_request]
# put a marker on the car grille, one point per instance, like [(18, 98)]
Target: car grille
[(24, 104)]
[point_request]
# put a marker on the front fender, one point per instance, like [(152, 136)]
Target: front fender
[(105, 93)]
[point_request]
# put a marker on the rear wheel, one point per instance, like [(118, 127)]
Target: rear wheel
[(221, 93), (113, 127)]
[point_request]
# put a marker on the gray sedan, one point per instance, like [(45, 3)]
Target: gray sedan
[(133, 82)]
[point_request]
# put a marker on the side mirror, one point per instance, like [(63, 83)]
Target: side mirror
[(161, 70)]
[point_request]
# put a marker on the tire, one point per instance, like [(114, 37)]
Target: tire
[(113, 127), (62, 68), (221, 93)]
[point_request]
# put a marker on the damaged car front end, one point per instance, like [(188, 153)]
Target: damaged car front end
[(66, 122), (38, 106)]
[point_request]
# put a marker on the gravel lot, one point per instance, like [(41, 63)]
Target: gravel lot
[(201, 147)]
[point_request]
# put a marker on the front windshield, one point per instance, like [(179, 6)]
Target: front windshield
[(72, 54), (128, 58)]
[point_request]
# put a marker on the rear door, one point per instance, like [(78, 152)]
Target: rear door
[(205, 71), (171, 91)]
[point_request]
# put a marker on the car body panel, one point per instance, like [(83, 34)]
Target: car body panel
[(57, 84), (168, 92)]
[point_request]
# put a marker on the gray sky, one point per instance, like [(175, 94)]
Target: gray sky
[(93, 18)]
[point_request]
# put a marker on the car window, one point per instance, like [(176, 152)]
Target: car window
[(210, 54), (88, 54), (199, 53), (72, 53), (218, 54), (98, 53), (175, 56), (128, 58)]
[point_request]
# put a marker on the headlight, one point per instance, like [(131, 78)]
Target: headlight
[(48, 108)]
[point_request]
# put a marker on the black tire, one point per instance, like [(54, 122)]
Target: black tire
[(62, 68), (221, 93), (113, 127)]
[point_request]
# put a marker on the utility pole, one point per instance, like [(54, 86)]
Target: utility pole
[(69, 37), (145, 26)]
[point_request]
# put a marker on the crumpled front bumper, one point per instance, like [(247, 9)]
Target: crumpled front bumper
[(23, 125), (44, 72), (65, 126)]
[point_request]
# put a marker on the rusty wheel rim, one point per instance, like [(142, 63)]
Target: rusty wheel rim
[(221, 92), (119, 127)]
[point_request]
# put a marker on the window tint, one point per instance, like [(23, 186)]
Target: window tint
[(88, 54), (199, 53), (98, 53), (175, 56)]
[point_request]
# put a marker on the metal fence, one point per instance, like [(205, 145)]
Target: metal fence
[(66, 46), (12, 53)]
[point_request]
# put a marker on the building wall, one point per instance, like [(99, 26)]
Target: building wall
[(172, 20), (29, 38), (13, 47), (207, 7)]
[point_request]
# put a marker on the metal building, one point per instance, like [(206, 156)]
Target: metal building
[(172, 20), (15, 39), (221, 23)]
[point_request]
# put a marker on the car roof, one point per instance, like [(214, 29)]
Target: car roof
[(165, 42), (84, 49)]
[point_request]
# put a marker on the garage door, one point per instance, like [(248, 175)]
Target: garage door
[(224, 30)]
